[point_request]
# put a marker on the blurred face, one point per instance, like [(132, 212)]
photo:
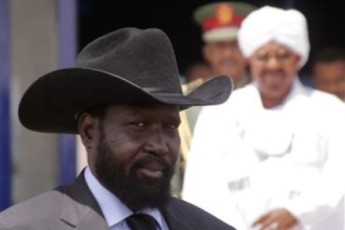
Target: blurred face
[(225, 58), (274, 68), (133, 151), (330, 77)]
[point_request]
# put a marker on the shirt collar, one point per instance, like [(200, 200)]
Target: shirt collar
[(113, 209)]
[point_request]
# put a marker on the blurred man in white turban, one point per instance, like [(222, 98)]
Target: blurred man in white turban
[(273, 153)]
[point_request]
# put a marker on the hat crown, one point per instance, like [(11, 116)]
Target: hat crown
[(130, 66), (209, 10), (220, 21), (142, 57)]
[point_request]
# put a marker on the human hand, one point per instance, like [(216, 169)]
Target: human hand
[(278, 219)]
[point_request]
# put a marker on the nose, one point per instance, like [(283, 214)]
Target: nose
[(272, 63), (229, 50), (157, 143)]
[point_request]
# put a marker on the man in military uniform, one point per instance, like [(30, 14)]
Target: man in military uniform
[(220, 23)]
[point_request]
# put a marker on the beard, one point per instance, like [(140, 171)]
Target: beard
[(137, 192)]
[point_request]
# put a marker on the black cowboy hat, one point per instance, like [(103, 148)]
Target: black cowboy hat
[(126, 66)]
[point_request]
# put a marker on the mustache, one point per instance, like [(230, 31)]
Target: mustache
[(229, 60), (139, 163), (275, 72)]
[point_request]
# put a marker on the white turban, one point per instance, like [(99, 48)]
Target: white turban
[(287, 27)]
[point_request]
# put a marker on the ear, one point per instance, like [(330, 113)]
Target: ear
[(206, 51), (87, 127), (298, 59)]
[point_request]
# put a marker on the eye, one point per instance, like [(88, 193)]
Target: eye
[(262, 57), (283, 56), (172, 126), (140, 124)]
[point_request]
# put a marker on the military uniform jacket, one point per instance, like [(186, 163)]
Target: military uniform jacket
[(74, 207)]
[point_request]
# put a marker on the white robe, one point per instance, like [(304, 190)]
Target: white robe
[(246, 160)]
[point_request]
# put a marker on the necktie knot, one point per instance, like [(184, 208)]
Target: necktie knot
[(141, 221)]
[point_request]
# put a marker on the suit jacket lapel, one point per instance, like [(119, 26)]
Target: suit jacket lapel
[(80, 209)]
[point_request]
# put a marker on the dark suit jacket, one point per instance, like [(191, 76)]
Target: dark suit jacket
[(74, 207)]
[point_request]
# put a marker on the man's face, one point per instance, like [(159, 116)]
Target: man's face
[(225, 58), (330, 77), (136, 149), (274, 67)]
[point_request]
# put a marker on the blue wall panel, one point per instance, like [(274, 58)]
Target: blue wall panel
[(5, 123), (67, 30)]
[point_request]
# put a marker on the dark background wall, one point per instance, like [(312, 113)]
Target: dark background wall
[(326, 21)]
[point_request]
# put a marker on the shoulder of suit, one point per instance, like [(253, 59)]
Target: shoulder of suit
[(37, 211)]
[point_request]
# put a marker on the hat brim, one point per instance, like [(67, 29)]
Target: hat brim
[(52, 102), (221, 34)]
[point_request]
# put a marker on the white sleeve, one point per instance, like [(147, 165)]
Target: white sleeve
[(204, 181), (322, 204), (201, 168)]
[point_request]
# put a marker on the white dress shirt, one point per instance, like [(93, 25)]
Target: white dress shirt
[(114, 211)]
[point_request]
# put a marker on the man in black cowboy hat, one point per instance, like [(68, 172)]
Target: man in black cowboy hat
[(123, 97)]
